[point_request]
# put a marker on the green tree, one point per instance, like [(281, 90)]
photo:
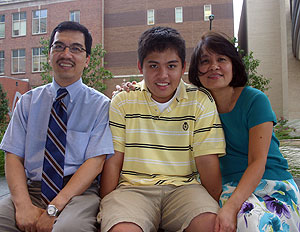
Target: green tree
[(92, 76), (3, 124), (255, 79), (46, 67), (3, 107)]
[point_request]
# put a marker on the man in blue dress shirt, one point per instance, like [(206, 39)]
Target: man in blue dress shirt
[(88, 141)]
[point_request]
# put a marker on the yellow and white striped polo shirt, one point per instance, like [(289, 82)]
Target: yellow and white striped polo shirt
[(160, 147)]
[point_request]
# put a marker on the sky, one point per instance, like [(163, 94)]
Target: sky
[(237, 7)]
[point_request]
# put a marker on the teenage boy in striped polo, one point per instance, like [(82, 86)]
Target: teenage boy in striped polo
[(166, 134)]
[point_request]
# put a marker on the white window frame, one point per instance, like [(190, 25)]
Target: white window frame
[(39, 19), (2, 60), (2, 25), (19, 23), (75, 16), (19, 59), (150, 17), (178, 14), (40, 57), (207, 12)]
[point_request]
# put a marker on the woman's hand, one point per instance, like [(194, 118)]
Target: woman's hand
[(226, 220), (125, 86)]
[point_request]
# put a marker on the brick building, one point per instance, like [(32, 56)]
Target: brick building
[(14, 88), (124, 21), (116, 24)]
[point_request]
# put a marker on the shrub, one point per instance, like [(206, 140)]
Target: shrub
[(2, 157), (282, 130), (3, 124), (255, 79)]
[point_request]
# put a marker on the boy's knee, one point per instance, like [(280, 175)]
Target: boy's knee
[(125, 227), (202, 222)]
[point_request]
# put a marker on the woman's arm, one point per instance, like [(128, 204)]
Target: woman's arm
[(259, 143)]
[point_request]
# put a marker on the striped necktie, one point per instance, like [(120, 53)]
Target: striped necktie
[(54, 159)]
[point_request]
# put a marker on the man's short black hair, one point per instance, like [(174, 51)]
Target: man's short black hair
[(74, 26)]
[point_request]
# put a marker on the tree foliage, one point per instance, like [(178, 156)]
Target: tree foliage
[(95, 73), (92, 76), (3, 107), (46, 67), (255, 79)]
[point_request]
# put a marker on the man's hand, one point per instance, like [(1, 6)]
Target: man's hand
[(27, 218), (45, 223)]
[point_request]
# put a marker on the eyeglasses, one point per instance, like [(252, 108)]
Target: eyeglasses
[(73, 48)]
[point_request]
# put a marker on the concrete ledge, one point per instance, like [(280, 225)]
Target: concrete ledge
[(297, 180), (4, 191)]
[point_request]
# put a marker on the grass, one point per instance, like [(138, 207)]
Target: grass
[(2, 154), (2, 173), (283, 131)]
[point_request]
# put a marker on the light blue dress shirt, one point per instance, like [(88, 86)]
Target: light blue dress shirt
[(88, 132)]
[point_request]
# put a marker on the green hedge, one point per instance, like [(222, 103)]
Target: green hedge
[(2, 173)]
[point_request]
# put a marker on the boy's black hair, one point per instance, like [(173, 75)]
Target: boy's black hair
[(159, 39)]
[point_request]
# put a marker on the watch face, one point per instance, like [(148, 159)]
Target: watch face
[(51, 210)]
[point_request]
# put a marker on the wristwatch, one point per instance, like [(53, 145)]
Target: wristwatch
[(52, 211)]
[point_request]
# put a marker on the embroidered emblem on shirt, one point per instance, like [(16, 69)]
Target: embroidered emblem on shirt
[(185, 126)]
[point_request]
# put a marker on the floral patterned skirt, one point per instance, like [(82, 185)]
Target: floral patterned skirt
[(273, 206)]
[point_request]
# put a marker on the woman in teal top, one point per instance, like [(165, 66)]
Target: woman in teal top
[(259, 194), (251, 109)]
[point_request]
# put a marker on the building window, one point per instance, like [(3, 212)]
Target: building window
[(75, 16), (39, 21), (1, 62), (178, 15), (38, 58), (2, 26), (19, 24), (18, 61), (150, 17), (207, 12)]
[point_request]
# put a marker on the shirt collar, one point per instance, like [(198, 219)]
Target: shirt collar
[(73, 89)]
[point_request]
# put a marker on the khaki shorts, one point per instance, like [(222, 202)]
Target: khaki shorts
[(150, 207)]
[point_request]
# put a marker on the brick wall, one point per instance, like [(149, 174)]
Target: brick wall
[(57, 11), (12, 86), (124, 21)]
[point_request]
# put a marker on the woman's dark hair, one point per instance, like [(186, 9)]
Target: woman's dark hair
[(160, 39), (74, 26), (217, 43)]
